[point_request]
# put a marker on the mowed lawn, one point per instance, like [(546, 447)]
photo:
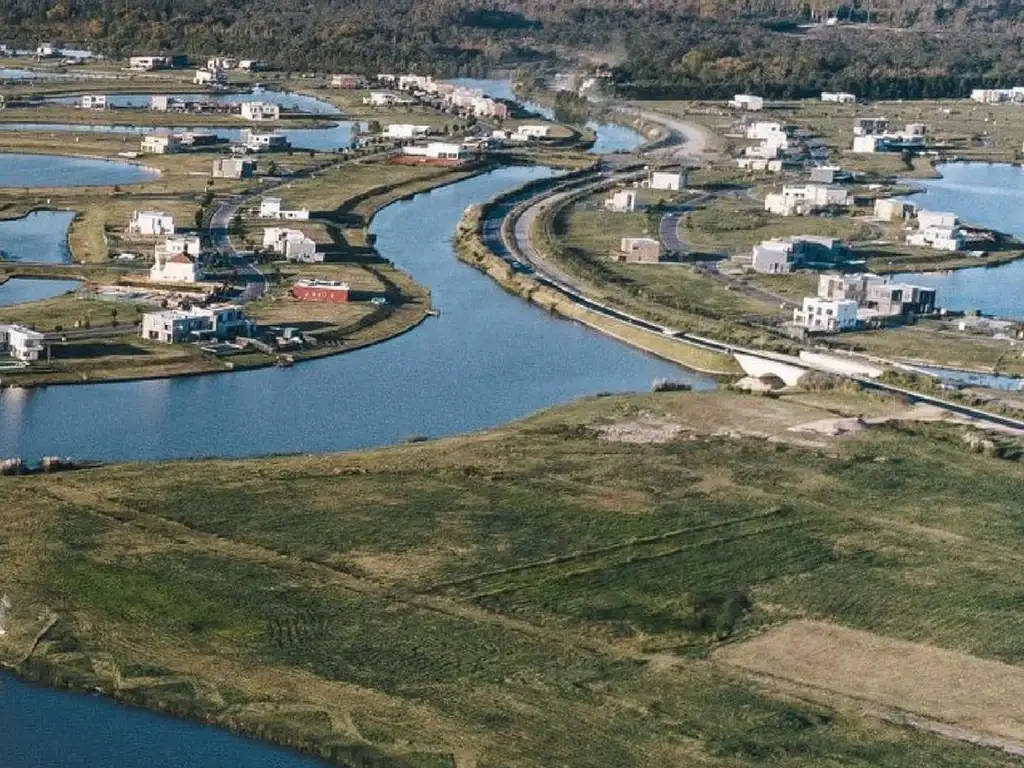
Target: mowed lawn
[(556, 592)]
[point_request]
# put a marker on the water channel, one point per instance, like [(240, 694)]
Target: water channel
[(489, 358), (40, 237), (25, 170), (990, 195), (19, 290)]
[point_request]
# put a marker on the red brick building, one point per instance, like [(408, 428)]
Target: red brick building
[(320, 290)]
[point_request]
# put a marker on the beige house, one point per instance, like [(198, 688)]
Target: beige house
[(890, 209)]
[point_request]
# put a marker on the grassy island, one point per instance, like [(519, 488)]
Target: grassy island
[(714, 579)]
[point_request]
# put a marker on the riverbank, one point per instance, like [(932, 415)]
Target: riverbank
[(472, 249), (260, 596)]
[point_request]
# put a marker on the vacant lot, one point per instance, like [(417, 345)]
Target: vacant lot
[(544, 594)]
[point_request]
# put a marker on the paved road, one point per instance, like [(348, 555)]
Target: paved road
[(220, 238)]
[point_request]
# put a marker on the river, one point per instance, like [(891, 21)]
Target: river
[(489, 358), (991, 195)]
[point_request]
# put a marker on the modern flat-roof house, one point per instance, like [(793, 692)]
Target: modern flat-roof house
[(161, 144), (784, 254), (233, 168), (406, 131), (148, 63), (293, 244), (766, 129), (210, 77), (270, 208), (669, 181), (747, 102), (876, 296), (259, 141), (260, 110), (20, 342), (320, 290), (937, 230), (639, 250), (159, 103), (622, 201), (870, 126), (534, 131), (838, 98), (93, 101), (825, 316), (998, 95), (890, 209), (176, 326), (439, 150), (805, 199), (149, 223)]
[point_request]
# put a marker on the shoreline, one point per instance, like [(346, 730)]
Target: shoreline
[(423, 315)]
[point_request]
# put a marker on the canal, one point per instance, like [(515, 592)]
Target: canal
[(986, 194), (489, 358)]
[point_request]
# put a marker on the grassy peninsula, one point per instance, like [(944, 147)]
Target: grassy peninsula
[(662, 579)]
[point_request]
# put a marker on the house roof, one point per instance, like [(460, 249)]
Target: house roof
[(180, 258)]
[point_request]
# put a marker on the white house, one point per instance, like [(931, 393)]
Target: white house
[(747, 102), (381, 99), (175, 326), (169, 246), (270, 208), (161, 143), (765, 130), (754, 164), (293, 244), (48, 50), (824, 315), (937, 219), (147, 63), (259, 141), (623, 201), (221, 62), (802, 200), (175, 268), (773, 257), (534, 131), (210, 77), (998, 95), (838, 98), (866, 145), (889, 209), (93, 101), (233, 168), (260, 110), (20, 343), (938, 238), (406, 131), (870, 126), (439, 150), (639, 250), (151, 223), (671, 181)]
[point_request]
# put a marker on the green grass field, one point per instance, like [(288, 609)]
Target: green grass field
[(531, 596)]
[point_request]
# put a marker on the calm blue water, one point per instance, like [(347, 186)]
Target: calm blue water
[(488, 359), (41, 236), (991, 195), (611, 137), (42, 728), (19, 290), (286, 99), (23, 170)]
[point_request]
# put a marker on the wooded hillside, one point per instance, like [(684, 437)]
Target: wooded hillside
[(679, 48)]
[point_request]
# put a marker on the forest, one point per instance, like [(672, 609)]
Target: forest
[(657, 48)]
